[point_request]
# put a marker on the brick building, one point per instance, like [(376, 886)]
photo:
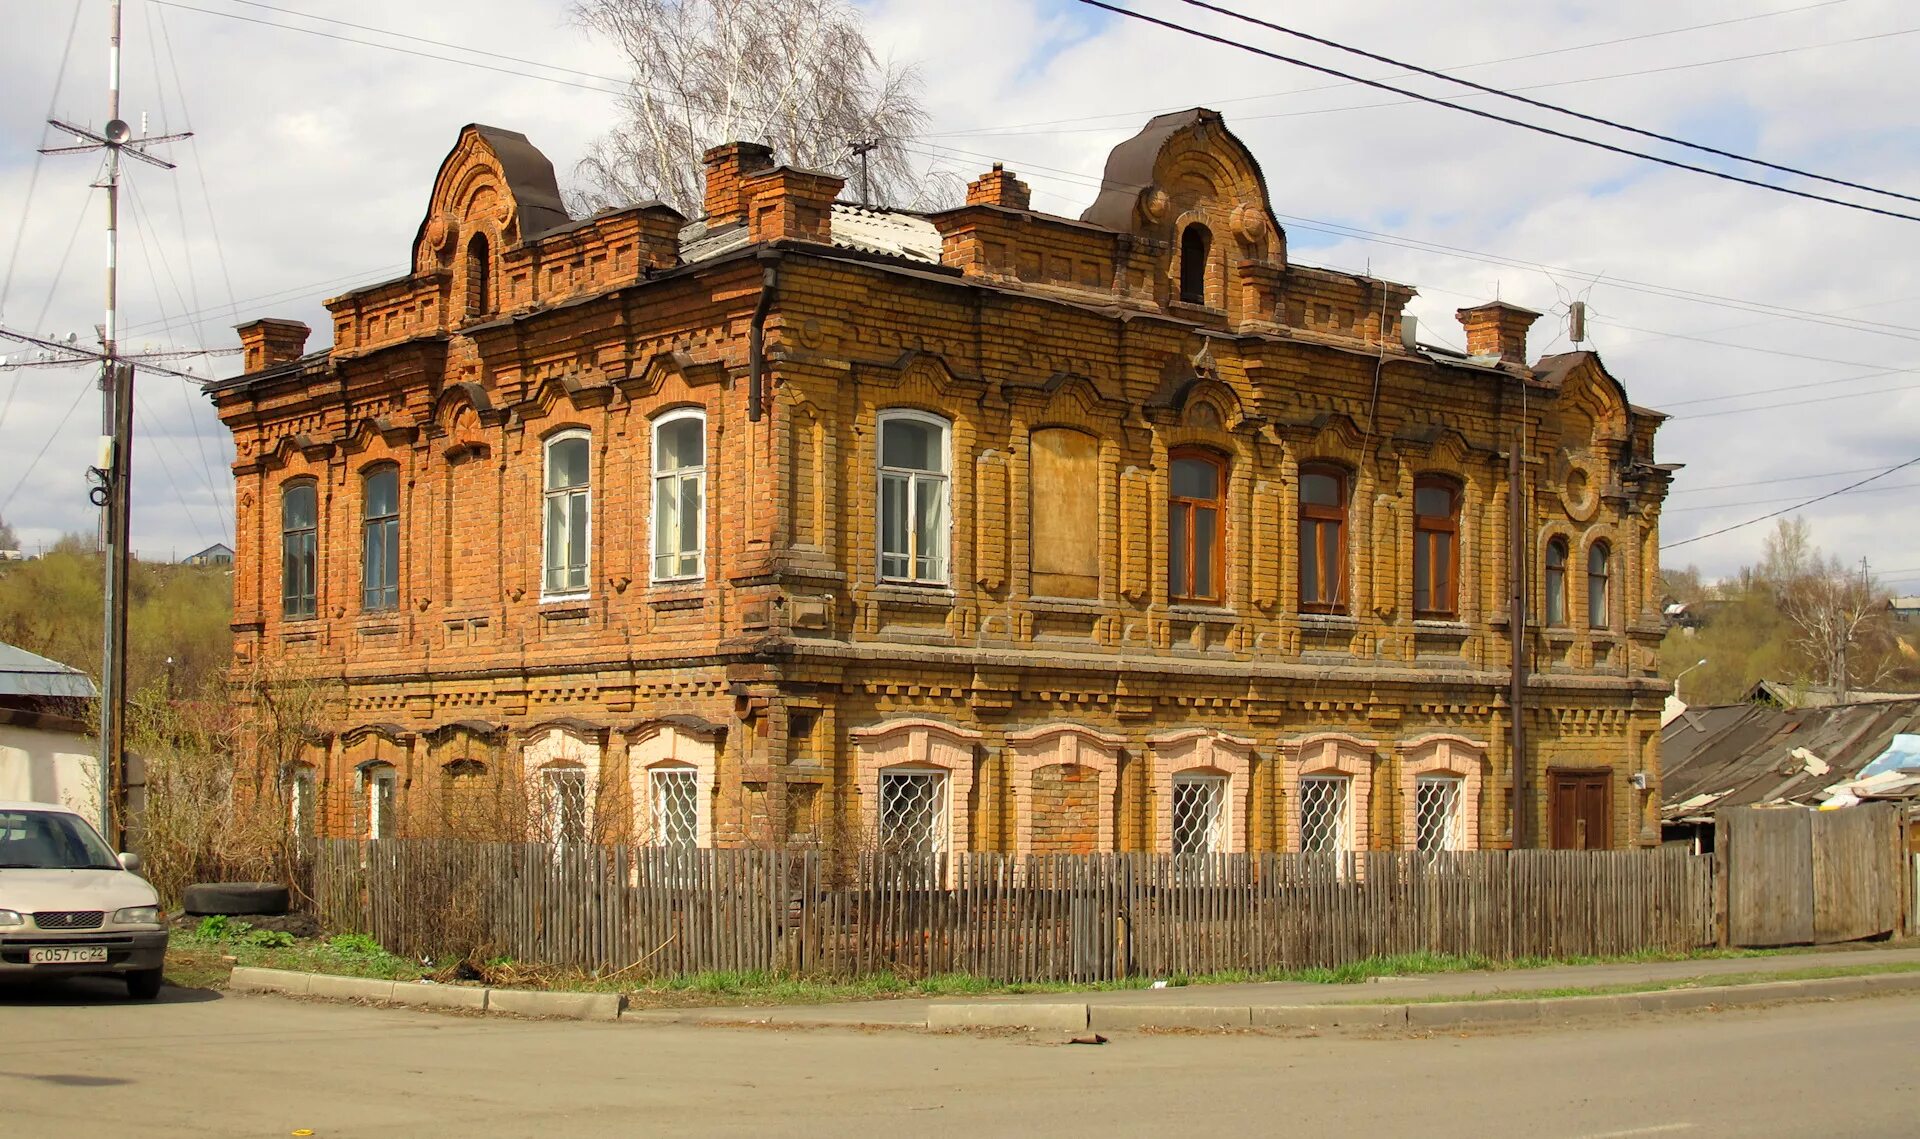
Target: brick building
[(988, 529)]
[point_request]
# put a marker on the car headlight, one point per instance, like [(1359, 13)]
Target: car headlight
[(11, 917), (137, 915)]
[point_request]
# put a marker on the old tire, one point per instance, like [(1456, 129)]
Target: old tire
[(144, 985), (230, 898)]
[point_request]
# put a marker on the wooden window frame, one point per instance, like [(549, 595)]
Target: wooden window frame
[(376, 593), (672, 480), (564, 495), (1319, 515), (303, 606), (1603, 579), (1442, 604), (1182, 593), (1555, 590), (911, 480)]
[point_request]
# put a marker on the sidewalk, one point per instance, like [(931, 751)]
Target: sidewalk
[(1496, 995)]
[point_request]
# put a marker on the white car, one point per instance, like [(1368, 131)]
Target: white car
[(69, 906)]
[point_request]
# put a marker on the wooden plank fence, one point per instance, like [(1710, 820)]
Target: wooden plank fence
[(661, 913)]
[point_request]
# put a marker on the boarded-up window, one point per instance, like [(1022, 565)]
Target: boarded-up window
[(1064, 508)]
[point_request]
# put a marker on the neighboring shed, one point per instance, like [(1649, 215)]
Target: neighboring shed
[(46, 734), (1783, 695), (1739, 755)]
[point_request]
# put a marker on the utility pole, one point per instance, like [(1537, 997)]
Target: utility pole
[(860, 150), (113, 477)]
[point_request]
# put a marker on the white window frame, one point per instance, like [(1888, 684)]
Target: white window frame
[(942, 836), (698, 474), (1343, 833), (379, 822), (1218, 837), (658, 781), (1452, 833), (547, 499), (913, 479)]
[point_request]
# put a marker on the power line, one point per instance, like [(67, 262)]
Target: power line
[(1782, 498), (44, 444), (1611, 124), (1768, 482), (33, 178), (1491, 116), (1791, 509)]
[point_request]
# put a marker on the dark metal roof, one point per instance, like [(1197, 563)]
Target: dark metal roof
[(28, 674), (1739, 754), (1130, 166)]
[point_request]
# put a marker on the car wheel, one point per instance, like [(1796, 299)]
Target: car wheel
[(203, 898), (144, 985)]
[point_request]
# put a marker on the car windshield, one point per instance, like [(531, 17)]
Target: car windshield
[(51, 840)]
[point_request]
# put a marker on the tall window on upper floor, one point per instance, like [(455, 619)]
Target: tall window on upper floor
[(914, 457), (1599, 573), (299, 549), (679, 496), (479, 276), (1557, 583), (1196, 515), (380, 538), (1323, 539), (1436, 547), (568, 501), (1196, 242)]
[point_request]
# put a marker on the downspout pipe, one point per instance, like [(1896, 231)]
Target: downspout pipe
[(756, 336)]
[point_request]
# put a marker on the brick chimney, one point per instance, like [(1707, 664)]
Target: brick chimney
[(1498, 329), (789, 204), (997, 187), (729, 165), (270, 341)]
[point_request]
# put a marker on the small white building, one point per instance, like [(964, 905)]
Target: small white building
[(48, 752)]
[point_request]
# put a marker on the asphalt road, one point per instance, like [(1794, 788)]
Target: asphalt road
[(78, 1059)]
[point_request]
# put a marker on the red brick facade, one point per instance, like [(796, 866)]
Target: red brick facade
[(995, 635)]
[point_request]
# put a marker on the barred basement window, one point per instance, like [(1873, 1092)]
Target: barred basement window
[(1323, 814), (564, 804), (913, 812), (676, 807), (1436, 812), (1199, 813)]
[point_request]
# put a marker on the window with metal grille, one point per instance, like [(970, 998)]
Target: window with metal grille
[(1323, 539), (1323, 814), (679, 496), (1195, 516), (299, 545), (1436, 547), (1199, 813), (568, 498), (913, 812), (380, 539), (913, 497), (1436, 812), (564, 804), (676, 806)]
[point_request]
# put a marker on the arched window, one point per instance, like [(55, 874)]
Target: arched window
[(1436, 547), (1557, 583), (299, 547), (380, 538), (1196, 241), (1599, 564), (1323, 539), (1196, 519), (913, 497), (568, 497), (679, 495), (479, 276)]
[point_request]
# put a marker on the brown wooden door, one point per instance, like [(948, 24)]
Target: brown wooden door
[(1579, 806)]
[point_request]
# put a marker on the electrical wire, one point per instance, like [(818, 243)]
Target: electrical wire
[(1491, 116), (1768, 482), (44, 444), (1597, 120), (1791, 509), (33, 178), (1782, 498)]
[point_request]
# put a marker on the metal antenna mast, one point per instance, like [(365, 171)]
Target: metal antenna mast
[(113, 477), (861, 149)]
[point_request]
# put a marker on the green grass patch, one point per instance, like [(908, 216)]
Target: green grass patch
[(1704, 981)]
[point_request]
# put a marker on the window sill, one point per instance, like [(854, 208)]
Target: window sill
[(579, 599), (929, 596), (1456, 630), (1189, 308), (1209, 613), (1329, 621), (1065, 604), (670, 600)]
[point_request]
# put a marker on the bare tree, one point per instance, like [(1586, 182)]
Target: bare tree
[(1830, 606), (797, 75)]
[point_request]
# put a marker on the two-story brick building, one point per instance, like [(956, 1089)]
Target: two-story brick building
[(988, 529)]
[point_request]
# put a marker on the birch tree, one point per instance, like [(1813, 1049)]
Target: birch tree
[(796, 75), (1831, 607)]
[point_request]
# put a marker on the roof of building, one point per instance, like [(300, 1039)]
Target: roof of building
[(1784, 695), (1911, 601), (28, 674), (210, 551), (892, 233), (1736, 755)]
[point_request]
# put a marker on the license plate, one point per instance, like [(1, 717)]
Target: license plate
[(68, 955)]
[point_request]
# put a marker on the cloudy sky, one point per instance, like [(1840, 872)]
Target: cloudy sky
[(1779, 332)]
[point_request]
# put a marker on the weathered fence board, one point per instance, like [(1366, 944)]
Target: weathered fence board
[(655, 912), (1797, 876)]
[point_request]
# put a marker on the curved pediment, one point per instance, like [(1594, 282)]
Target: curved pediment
[(1183, 166), (493, 179)]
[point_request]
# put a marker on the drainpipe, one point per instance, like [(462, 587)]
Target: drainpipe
[(756, 336), (1518, 566)]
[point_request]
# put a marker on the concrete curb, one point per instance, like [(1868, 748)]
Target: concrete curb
[(514, 1002), (1007, 1014)]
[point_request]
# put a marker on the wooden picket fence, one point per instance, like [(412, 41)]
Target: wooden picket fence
[(662, 913)]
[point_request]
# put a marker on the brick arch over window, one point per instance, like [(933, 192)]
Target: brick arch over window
[(666, 746), (1057, 745), (914, 742), (1443, 754), (1329, 753), (1202, 749)]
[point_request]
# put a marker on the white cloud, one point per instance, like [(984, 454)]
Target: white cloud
[(318, 156)]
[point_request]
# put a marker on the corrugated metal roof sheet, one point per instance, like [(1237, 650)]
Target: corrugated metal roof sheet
[(27, 674), (888, 232), (1739, 754)]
